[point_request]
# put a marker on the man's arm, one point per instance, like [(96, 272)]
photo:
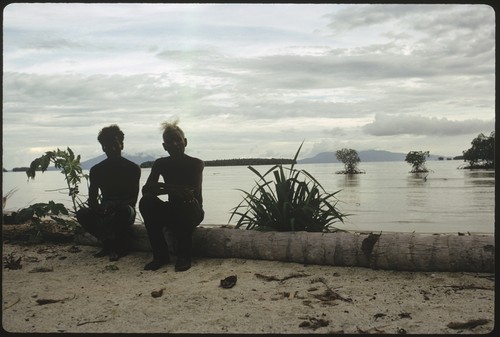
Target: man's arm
[(151, 187), (93, 190), (136, 185), (199, 193)]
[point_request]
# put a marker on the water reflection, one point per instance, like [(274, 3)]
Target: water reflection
[(417, 179), (484, 178), (479, 173), (350, 196), (351, 180), (417, 194)]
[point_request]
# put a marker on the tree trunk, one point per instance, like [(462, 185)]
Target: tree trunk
[(391, 251)]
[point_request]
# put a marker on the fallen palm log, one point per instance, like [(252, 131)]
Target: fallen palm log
[(390, 251)]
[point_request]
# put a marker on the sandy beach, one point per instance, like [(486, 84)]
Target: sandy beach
[(63, 288)]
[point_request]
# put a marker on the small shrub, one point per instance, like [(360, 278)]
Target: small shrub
[(293, 201), (70, 167)]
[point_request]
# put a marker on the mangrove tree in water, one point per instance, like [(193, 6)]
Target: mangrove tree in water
[(417, 160), (482, 152), (350, 159)]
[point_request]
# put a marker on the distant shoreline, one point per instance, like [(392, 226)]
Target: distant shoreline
[(145, 160), (254, 162), (237, 162)]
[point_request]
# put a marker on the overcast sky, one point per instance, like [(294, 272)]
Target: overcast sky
[(247, 80)]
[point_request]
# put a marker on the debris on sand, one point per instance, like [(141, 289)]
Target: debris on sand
[(471, 324), (228, 282), (157, 293), (314, 323), (11, 262)]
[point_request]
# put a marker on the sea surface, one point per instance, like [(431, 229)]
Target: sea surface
[(387, 197)]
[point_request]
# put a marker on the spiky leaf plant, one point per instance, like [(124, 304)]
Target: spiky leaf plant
[(293, 201)]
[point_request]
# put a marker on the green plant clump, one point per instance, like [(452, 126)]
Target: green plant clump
[(71, 168), (288, 203), (37, 212)]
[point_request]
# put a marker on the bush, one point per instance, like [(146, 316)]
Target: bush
[(417, 160), (482, 152), (288, 203)]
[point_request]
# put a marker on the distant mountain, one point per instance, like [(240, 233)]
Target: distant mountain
[(364, 156), (137, 158), (323, 157)]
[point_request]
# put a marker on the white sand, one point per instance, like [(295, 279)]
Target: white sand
[(94, 295)]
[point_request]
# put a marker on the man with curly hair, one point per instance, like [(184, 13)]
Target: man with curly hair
[(117, 179)]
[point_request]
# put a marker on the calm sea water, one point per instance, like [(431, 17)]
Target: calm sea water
[(386, 198)]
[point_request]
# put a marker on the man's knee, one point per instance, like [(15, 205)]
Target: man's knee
[(82, 212), (89, 220), (125, 213), (147, 202), (152, 207), (85, 216)]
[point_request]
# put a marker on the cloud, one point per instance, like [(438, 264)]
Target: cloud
[(246, 79), (392, 125)]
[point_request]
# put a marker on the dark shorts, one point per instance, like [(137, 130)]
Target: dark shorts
[(172, 215), (107, 225)]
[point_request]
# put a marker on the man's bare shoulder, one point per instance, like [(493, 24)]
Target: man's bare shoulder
[(129, 162), (196, 161), (107, 163), (168, 160), (162, 161)]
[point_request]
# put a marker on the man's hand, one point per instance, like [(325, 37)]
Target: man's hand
[(154, 189), (185, 194), (174, 191)]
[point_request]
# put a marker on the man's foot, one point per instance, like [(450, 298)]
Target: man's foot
[(155, 264), (113, 256), (182, 264), (102, 253), (122, 252)]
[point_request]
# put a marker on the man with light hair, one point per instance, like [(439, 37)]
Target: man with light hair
[(183, 211)]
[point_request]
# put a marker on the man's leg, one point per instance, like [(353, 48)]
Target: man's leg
[(89, 220), (192, 215), (92, 222), (184, 247), (154, 212), (120, 234)]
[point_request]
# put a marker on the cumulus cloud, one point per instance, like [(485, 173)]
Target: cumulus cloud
[(392, 125)]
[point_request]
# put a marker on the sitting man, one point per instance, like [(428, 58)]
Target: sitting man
[(117, 179), (182, 182)]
